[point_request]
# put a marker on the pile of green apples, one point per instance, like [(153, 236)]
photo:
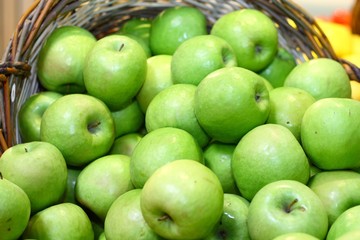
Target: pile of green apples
[(167, 128)]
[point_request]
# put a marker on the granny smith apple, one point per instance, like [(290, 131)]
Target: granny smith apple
[(233, 223), (338, 190), (217, 157), (286, 206), (330, 133), (322, 77), (174, 107), (115, 70), (231, 101), (15, 210), (160, 147), (296, 236), (30, 114), (39, 169), (346, 223), (128, 119), (199, 56), (158, 77), (266, 154), (124, 219), (279, 68), (182, 200), (80, 126), (175, 25), (102, 181), (252, 35), (72, 175), (125, 144), (62, 57), (60, 221), (287, 107), (137, 26)]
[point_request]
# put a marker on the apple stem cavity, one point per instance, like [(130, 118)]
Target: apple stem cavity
[(257, 97), (92, 126), (164, 218), (1, 176)]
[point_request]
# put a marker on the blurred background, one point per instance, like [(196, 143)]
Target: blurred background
[(12, 10)]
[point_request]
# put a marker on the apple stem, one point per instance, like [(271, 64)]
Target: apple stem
[(164, 217), (93, 125), (1, 176), (257, 97), (25, 149), (121, 47), (288, 208)]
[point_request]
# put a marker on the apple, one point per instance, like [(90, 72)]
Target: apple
[(197, 57), (287, 107), (182, 200), (266, 154), (39, 169), (174, 25), (159, 147), (286, 206), (137, 26), (102, 181), (124, 219), (62, 57), (252, 35), (330, 132), (278, 69), (296, 236), (60, 221), (174, 107), (346, 224), (128, 119), (233, 223), (338, 190), (80, 126), (30, 114), (158, 77), (217, 157), (321, 77), (226, 98), (115, 70), (15, 210), (72, 175), (125, 144)]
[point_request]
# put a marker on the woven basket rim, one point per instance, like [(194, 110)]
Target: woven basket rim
[(17, 66)]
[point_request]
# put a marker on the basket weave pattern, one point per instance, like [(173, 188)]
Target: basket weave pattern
[(298, 32)]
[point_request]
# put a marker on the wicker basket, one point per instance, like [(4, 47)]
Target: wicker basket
[(298, 32)]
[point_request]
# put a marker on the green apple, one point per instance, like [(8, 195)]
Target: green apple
[(252, 35), (15, 210), (286, 206), (62, 57), (160, 147), (173, 26), (72, 175), (346, 223), (128, 119), (158, 77), (137, 26), (174, 107), (115, 70), (102, 181), (60, 221), (226, 98), (296, 236), (280, 67), (233, 223), (124, 219), (287, 107), (80, 126), (31, 112), (125, 144), (266, 154), (330, 133), (39, 169), (195, 58), (338, 190), (321, 77), (351, 235), (102, 236), (182, 200), (217, 157)]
